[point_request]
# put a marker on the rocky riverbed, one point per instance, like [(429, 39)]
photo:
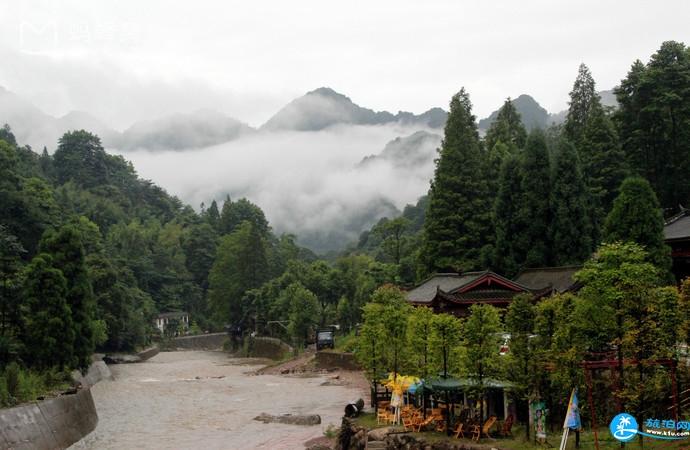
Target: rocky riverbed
[(208, 400)]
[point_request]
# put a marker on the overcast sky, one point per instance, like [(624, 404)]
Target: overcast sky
[(133, 59)]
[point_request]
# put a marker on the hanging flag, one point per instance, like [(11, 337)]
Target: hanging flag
[(572, 417)]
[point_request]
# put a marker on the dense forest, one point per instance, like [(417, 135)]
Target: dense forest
[(513, 199), (91, 252)]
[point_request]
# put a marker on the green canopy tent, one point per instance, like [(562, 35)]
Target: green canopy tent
[(450, 387)]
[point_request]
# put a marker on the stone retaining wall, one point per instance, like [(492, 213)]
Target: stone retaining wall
[(267, 347), (148, 353), (211, 341), (51, 424), (332, 360)]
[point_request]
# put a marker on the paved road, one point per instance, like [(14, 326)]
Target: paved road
[(206, 400)]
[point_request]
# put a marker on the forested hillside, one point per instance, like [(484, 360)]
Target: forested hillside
[(91, 253)]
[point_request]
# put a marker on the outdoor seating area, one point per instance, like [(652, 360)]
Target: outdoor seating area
[(444, 405), (464, 422)]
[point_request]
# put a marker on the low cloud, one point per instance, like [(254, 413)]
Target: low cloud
[(308, 183)]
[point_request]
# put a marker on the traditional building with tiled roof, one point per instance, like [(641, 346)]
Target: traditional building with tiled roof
[(454, 293), (677, 236)]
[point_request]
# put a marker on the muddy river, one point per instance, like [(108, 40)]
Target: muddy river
[(207, 400)]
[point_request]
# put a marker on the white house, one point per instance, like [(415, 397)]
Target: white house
[(163, 319)]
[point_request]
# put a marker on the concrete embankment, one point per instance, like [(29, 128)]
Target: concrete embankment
[(55, 423), (332, 360), (266, 347), (211, 341)]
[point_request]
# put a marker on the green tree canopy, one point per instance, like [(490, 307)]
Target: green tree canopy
[(240, 266), (652, 119), (481, 341), (636, 217), (80, 158)]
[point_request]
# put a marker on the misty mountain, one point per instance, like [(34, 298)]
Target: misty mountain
[(348, 229), (194, 130), (407, 152), (36, 128), (325, 107), (535, 116), (532, 113)]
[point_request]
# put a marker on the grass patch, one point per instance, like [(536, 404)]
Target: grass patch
[(19, 385), (346, 343)]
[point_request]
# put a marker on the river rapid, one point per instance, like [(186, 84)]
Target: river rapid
[(207, 400)]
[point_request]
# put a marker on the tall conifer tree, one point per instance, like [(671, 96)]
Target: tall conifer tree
[(654, 112), (534, 215), (583, 98), (571, 226), (603, 165), (506, 217), (507, 128), (457, 222)]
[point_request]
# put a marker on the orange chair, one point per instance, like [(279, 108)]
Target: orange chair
[(459, 430)]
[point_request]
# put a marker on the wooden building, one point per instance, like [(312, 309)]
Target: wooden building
[(677, 236), (454, 293)]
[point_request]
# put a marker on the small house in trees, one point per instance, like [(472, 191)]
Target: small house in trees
[(677, 236), (454, 293), (177, 319)]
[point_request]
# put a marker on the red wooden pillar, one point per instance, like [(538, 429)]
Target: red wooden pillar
[(588, 380)]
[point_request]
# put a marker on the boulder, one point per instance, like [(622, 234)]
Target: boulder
[(307, 419)]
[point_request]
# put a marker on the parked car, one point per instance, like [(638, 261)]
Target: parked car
[(325, 339)]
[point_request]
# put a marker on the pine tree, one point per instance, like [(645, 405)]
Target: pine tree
[(49, 330), (67, 251), (652, 119), (534, 215), (571, 234), (506, 217), (507, 128), (213, 216), (583, 98), (603, 165), (636, 217), (457, 222)]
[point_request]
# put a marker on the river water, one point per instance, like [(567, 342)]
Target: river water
[(207, 400)]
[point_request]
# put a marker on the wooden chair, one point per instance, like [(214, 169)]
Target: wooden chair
[(422, 423), (459, 430), (478, 432), (382, 416), (409, 422), (506, 428)]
